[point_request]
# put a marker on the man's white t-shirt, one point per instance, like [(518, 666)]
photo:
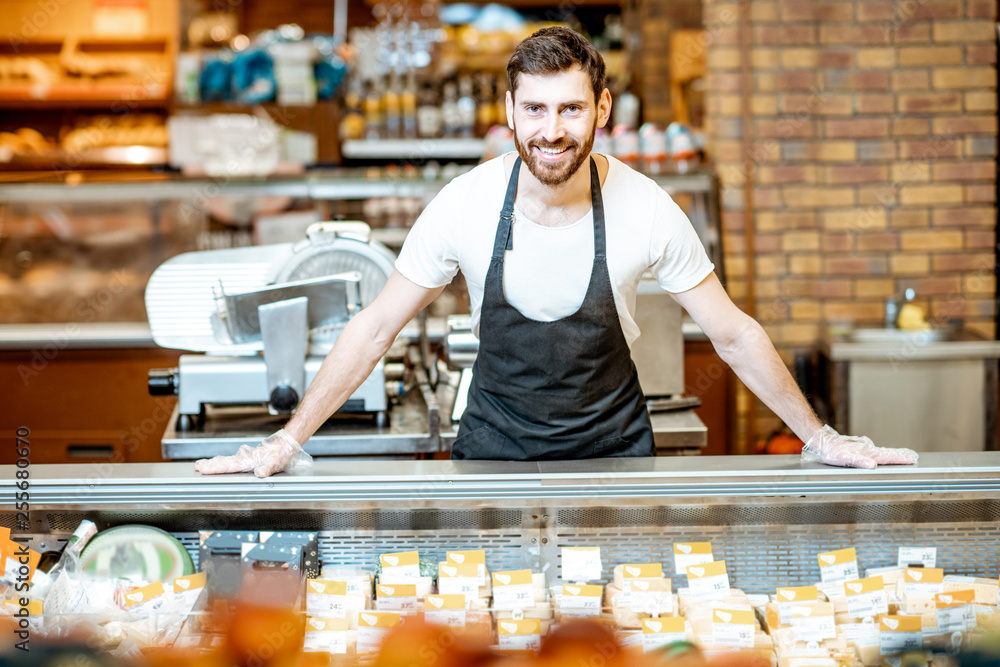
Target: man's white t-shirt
[(547, 272)]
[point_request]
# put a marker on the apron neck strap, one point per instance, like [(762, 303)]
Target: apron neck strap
[(597, 204)]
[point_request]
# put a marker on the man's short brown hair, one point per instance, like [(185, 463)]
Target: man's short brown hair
[(552, 50)]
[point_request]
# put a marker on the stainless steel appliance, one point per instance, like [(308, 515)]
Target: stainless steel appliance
[(264, 317)]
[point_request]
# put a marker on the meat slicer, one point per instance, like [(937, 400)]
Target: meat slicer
[(264, 318)]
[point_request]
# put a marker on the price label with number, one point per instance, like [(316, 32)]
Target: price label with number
[(838, 566), (733, 627), (325, 635), (458, 579), (865, 633), (652, 596), (923, 581), (687, 554), (522, 635), (447, 610), (954, 610), (402, 564), (709, 581), (580, 601), (581, 563), (658, 632), (866, 597), (397, 597), (813, 621), (373, 627), (917, 557), (512, 590), (790, 595), (900, 633), (326, 599)]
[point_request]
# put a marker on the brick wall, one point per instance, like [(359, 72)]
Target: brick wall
[(871, 155)]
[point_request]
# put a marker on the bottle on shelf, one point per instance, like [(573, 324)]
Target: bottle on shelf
[(450, 114), (373, 111), (429, 119), (485, 108), (352, 125), (466, 108), (392, 108), (408, 101), (501, 101)]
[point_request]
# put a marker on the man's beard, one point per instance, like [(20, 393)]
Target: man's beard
[(558, 173)]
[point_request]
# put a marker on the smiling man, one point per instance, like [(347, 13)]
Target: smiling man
[(553, 241)]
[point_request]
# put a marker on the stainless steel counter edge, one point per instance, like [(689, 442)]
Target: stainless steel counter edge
[(353, 483)]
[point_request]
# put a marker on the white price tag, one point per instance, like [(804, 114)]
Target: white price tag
[(814, 628), (326, 599), (919, 556), (513, 597), (581, 563), (326, 636), (733, 628), (452, 618), (477, 558), (708, 581), (866, 597), (522, 635), (405, 564), (468, 587), (651, 596), (900, 633), (861, 634), (658, 632), (953, 619), (838, 566), (370, 639), (580, 601), (687, 554)]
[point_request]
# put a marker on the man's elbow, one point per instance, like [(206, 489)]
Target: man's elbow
[(739, 339)]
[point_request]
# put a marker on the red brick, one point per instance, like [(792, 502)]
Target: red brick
[(834, 288), (766, 197), (853, 34), (867, 127), (911, 79), (836, 59), (981, 9), (856, 173), (725, 81), (796, 219), (910, 127), (786, 128), (798, 80), (964, 32), (856, 80), (872, 151), (787, 174), (823, 104), (980, 239), (796, 34), (727, 36), (981, 54), (910, 32), (875, 103), (963, 262), (929, 102), (767, 243), (940, 285), (948, 9), (969, 124), (909, 218), (966, 216), (876, 11), (967, 170), (814, 11), (978, 194), (837, 242), (879, 195), (878, 242), (930, 150)]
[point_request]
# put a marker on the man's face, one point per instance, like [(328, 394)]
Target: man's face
[(554, 118)]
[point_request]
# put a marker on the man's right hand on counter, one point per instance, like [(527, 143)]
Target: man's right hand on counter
[(829, 447), (275, 453)]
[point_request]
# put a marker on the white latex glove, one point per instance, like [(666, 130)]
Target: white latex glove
[(848, 451), (275, 453)]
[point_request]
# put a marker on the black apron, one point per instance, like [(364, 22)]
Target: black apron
[(557, 390)]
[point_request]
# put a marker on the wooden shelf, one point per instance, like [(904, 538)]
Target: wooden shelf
[(84, 93)]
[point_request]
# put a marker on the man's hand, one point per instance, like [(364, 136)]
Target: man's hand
[(828, 446), (275, 453)]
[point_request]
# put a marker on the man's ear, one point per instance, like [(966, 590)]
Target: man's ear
[(510, 109), (604, 108)]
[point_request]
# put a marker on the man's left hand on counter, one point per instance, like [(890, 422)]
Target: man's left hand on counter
[(275, 453)]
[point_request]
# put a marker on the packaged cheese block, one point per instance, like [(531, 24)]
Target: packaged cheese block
[(785, 641), (772, 613), (611, 592), (359, 581), (986, 590), (918, 604), (625, 618), (685, 602), (700, 617)]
